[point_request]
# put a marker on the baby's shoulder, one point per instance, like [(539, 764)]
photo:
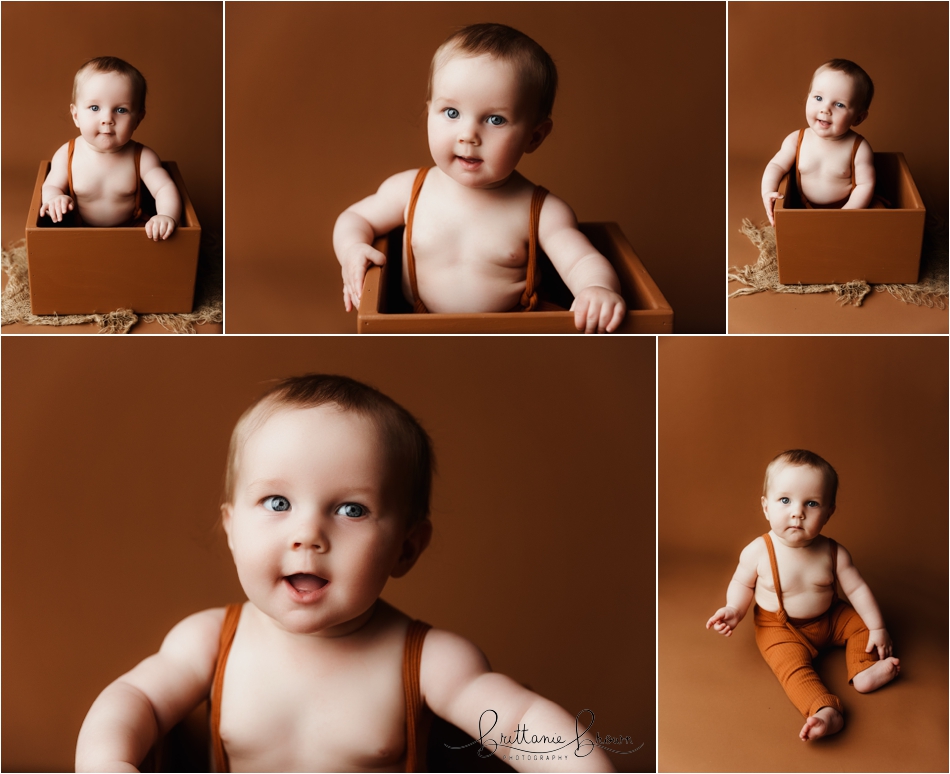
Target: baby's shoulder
[(196, 639), (754, 552), (449, 661), (400, 183)]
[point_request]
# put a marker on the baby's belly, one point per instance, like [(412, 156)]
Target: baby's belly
[(810, 604), (298, 743), (822, 190), (106, 213), (466, 289)]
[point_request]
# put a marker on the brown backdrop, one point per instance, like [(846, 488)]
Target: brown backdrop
[(638, 138), (773, 50), (178, 48), (876, 408), (113, 458)]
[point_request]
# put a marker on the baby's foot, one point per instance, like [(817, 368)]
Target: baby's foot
[(876, 675), (825, 722)]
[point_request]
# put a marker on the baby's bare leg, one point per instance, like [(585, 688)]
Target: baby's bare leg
[(878, 674), (825, 722)]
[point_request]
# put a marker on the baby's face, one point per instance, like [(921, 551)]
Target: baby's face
[(830, 109), (480, 122), (311, 530), (104, 111), (797, 504)]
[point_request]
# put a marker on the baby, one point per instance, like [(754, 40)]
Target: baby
[(326, 496), (473, 223), (793, 572), (834, 165), (99, 174)]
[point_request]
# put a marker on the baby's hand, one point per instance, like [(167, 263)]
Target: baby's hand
[(769, 200), (724, 621), (597, 310), (881, 640), (57, 207), (160, 227), (355, 261)]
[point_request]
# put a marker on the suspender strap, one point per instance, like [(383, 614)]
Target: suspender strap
[(783, 616), (231, 617), (529, 299), (417, 305), (412, 659)]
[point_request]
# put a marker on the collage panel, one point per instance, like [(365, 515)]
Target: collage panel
[(869, 414), (632, 79), (113, 211), (541, 551), (879, 265)]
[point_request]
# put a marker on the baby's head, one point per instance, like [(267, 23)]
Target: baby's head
[(108, 102), (839, 97), (326, 497), (798, 495), (405, 445), (490, 96)]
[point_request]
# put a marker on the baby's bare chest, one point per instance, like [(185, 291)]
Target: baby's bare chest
[(493, 235), (800, 572), (278, 715), (829, 163), (114, 179)]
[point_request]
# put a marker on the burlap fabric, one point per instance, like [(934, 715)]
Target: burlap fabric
[(930, 291), (208, 297)]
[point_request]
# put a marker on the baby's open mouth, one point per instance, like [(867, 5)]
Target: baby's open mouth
[(304, 582)]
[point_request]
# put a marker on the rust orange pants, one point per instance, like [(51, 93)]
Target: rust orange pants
[(790, 656)]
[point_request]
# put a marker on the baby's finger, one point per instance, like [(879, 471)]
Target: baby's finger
[(617, 317), (347, 301)]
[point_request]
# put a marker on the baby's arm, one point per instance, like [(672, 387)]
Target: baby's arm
[(458, 685), (133, 712), (598, 306), (775, 170), (56, 202), (359, 225), (740, 592), (864, 179), (167, 201), (859, 593)]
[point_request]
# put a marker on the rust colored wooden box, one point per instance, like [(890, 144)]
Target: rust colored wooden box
[(383, 308), (81, 270), (837, 246)]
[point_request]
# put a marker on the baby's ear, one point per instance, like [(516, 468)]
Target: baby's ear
[(139, 118), (541, 131), (860, 118), (226, 522), (765, 506), (74, 112), (415, 542)]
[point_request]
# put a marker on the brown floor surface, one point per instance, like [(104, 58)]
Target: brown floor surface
[(819, 313), (14, 229), (721, 709)]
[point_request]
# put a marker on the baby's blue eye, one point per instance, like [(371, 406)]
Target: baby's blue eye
[(94, 108), (497, 120), (352, 510), (839, 104), (121, 110), (784, 500), (277, 503), (812, 504), (818, 98), (451, 113)]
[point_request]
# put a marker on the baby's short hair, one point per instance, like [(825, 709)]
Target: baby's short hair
[(112, 64), (534, 64), (863, 85), (803, 458), (407, 445)]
